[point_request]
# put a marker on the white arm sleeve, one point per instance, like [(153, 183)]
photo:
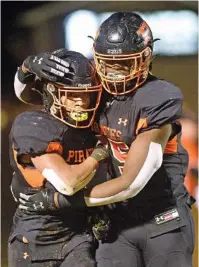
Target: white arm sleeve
[(59, 184), (30, 92), (152, 163), (21, 87)]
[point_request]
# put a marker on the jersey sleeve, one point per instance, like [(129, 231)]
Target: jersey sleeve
[(160, 108), (36, 133)]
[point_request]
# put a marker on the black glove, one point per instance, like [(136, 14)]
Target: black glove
[(47, 66), (47, 200), (40, 202)]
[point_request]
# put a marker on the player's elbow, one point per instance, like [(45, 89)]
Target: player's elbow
[(62, 186)]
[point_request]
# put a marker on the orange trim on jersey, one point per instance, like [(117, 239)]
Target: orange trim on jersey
[(172, 146), (55, 147), (142, 123), (191, 183), (32, 176)]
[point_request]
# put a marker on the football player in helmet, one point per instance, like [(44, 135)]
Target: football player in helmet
[(123, 53), (139, 116), (144, 138), (54, 149)]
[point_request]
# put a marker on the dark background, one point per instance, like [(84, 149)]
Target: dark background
[(19, 41), (9, 103), (10, 10)]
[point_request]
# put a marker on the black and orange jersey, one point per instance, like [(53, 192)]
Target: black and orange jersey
[(35, 133), (122, 118)]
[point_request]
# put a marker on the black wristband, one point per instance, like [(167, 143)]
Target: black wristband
[(25, 77), (74, 202)]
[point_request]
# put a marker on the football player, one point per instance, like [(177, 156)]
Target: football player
[(54, 149), (155, 224), (138, 115)]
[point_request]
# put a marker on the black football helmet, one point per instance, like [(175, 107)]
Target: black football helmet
[(124, 39), (82, 78)]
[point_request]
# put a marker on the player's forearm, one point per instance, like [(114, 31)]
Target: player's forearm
[(89, 165), (80, 172), (116, 185), (125, 187), (109, 188), (65, 178), (140, 166)]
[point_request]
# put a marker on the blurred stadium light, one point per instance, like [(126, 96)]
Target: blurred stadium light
[(52, 9), (178, 31)]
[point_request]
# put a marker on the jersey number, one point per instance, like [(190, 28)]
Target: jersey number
[(120, 152)]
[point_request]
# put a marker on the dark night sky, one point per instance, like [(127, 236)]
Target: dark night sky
[(9, 12)]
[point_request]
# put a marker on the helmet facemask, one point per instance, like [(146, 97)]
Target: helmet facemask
[(124, 40), (75, 97), (75, 106), (129, 71)]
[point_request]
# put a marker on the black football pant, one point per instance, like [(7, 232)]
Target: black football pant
[(150, 243), (19, 255)]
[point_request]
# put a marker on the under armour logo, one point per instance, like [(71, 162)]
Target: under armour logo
[(39, 60), (25, 255), (122, 121), (41, 205), (159, 218)]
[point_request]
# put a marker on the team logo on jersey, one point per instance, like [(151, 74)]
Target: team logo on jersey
[(104, 130), (78, 156), (167, 216), (121, 121)]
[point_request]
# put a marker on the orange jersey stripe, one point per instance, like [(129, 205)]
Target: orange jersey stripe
[(172, 146), (142, 123), (32, 176), (55, 147)]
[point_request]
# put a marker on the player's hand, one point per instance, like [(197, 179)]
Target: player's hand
[(40, 202), (47, 200), (100, 152), (47, 66)]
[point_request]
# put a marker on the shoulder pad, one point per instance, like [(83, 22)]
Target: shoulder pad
[(158, 103), (32, 132), (157, 92)]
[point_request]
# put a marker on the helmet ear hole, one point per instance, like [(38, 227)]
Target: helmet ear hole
[(51, 88), (147, 52)]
